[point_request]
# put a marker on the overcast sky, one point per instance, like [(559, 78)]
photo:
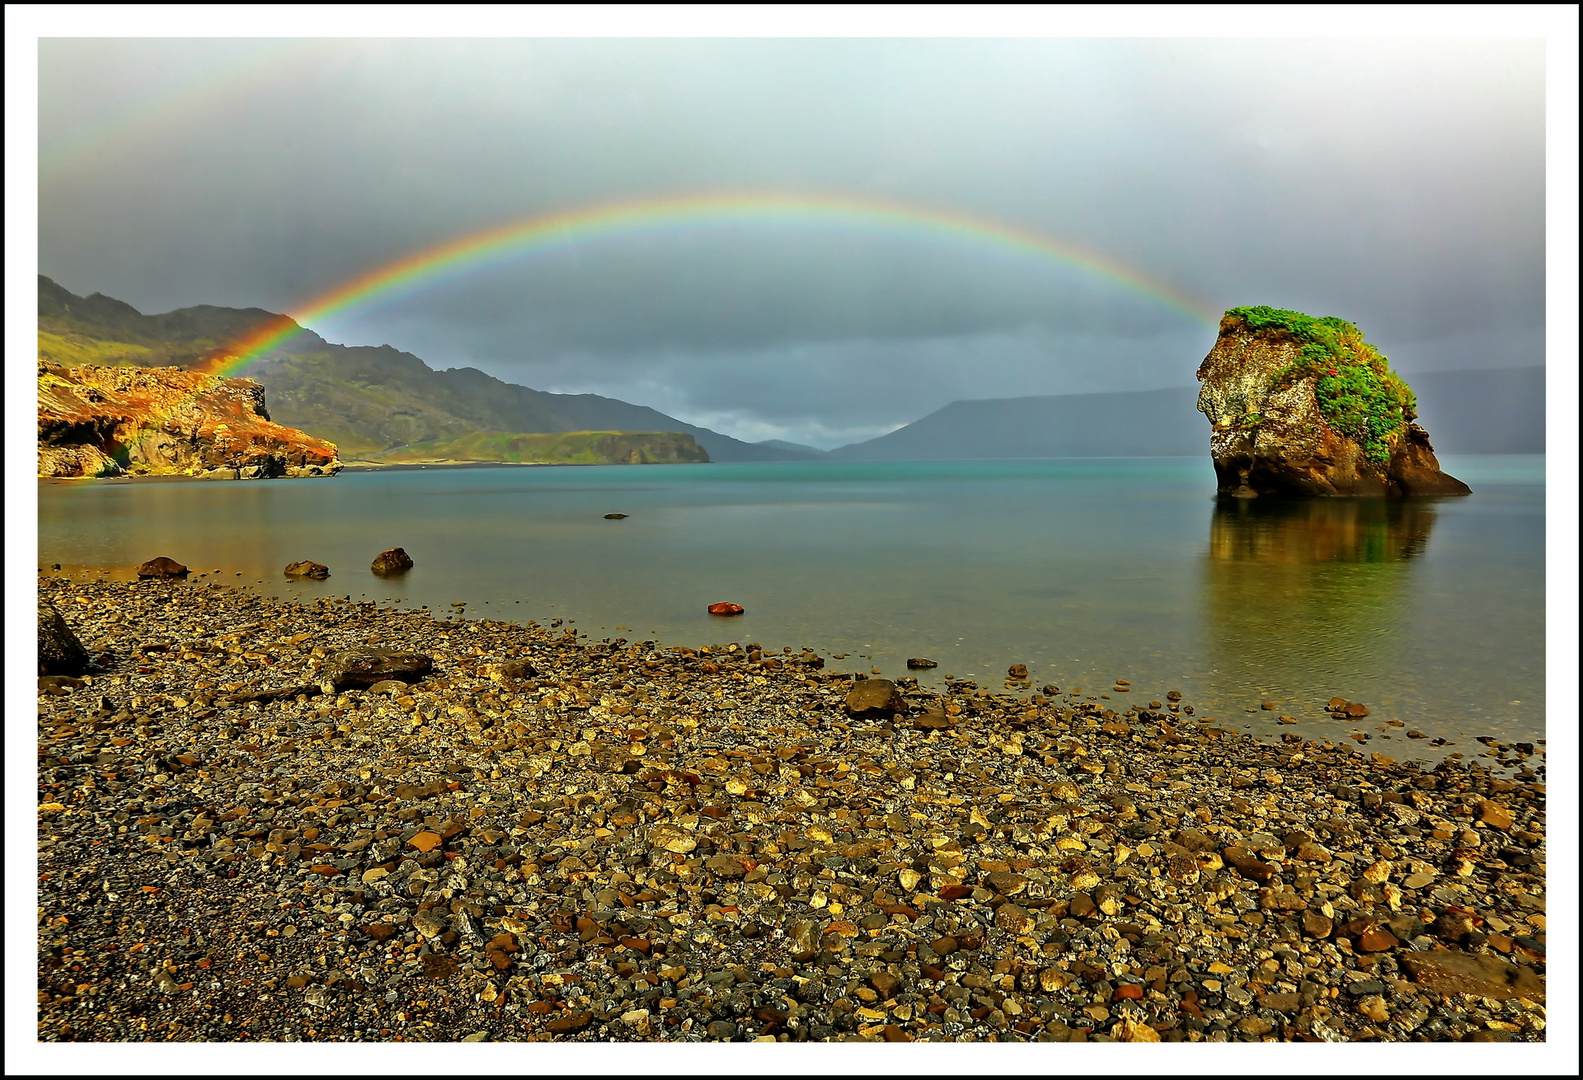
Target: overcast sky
[(1395, 183)]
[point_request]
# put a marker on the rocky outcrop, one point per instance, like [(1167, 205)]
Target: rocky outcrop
[(1305, 406), (118, 421)]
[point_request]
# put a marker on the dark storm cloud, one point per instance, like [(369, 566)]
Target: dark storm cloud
[(1396, 183)]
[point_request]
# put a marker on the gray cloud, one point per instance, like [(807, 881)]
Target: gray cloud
[(1396, 183)]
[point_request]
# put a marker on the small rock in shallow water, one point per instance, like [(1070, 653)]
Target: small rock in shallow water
[(725, 608), (614, 517), (391, 561), (308, 569), (161, 567), (918, 663)]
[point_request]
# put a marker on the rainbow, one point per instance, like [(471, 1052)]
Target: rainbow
[(454, 258)]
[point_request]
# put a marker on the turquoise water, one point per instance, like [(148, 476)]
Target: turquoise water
[(1086, 570)]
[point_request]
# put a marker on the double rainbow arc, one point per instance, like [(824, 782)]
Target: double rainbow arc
[(453, 258)]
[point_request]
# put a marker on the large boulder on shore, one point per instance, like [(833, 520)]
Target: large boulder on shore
[(59, 651), (1305, 406), (874, 698), (358, 669)]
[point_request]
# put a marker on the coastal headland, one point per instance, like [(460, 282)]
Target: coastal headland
[(550, 837)]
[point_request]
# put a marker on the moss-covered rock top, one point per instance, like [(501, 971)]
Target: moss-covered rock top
[(1358, 393)]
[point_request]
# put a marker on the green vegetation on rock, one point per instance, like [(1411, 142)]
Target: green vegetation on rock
[(1358, 393)]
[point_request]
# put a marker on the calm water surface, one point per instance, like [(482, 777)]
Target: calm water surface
[(1087, 570)]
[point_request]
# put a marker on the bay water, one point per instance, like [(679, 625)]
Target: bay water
[(1429, 611)]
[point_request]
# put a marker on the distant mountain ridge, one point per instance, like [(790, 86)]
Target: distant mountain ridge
[(1129, 424), (364, 399), (793, 447), (1493, 411)]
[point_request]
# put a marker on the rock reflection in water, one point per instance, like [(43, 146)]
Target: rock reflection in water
[(1305, 599)]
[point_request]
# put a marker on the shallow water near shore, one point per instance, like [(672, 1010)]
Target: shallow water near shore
[(1431, 612)]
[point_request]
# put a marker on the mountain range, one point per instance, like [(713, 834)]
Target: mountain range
[(374, 400), (1491, 411), (365, 399)]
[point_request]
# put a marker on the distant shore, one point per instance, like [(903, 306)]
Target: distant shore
[(623, 840), (375, 466)]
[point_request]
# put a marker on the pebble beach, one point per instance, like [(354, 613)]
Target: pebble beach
[(553, 837)]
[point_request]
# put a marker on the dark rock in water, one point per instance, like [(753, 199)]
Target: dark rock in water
[(614, 517), (391, 561), (874, 696), (1017, 671), (307, 569), (1304, 406), (725, 609), (59, 651), (161, 567), (917, 663), (359, 669)]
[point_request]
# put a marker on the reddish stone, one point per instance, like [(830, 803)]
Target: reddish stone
[(724, 608), (1128, 990)]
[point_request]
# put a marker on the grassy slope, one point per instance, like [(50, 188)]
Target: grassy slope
[(363, 399), (555, 448)]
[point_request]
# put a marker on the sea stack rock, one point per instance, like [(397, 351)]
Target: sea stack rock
[(1302, 406)]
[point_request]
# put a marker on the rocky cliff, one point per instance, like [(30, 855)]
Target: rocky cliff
[(1305, 406), (116, 421)]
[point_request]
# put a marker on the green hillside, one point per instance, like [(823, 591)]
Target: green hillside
[(364, 399), (557, 448)]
